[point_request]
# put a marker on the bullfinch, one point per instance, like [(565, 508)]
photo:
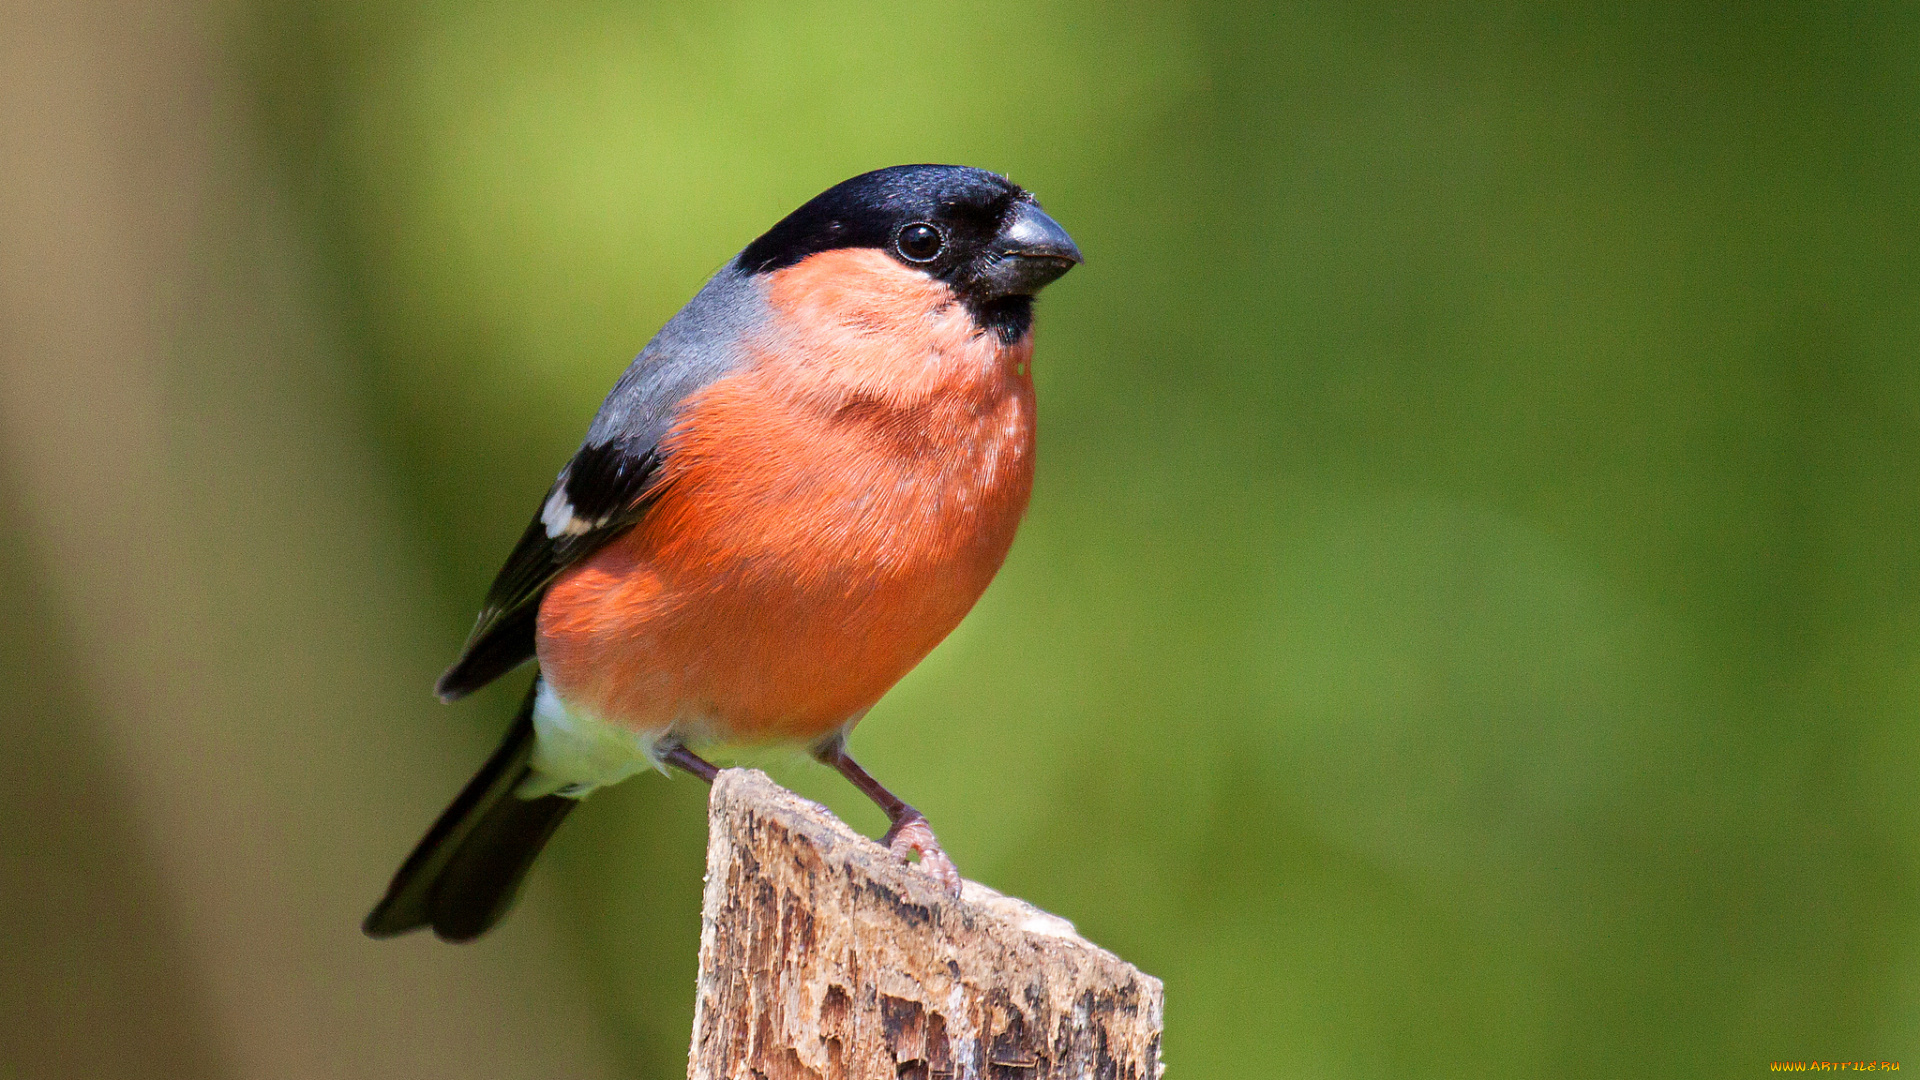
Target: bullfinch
[(796, 490)]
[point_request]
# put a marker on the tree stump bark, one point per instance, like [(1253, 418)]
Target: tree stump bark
[(822, 957)]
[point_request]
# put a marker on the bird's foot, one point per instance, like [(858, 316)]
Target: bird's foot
[(912, 835)]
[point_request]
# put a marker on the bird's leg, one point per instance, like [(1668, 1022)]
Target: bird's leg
[(907, 828), (682, 758)]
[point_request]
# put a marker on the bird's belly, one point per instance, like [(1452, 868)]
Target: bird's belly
[(776, 591)]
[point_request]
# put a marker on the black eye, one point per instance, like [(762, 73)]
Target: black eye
[(920, 241)]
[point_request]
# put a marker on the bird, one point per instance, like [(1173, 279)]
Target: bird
[(795, 491)]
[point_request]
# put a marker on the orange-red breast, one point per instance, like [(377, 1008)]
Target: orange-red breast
[(798, 488)]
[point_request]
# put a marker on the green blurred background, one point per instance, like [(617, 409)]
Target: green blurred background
[(1468, 621)]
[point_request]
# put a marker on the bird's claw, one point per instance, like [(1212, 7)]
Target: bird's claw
[(913, 835)]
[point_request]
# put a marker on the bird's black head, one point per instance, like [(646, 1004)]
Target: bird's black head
[(976, 231)]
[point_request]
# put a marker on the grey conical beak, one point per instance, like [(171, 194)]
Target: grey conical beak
[(1032, 252), (1034, 235)]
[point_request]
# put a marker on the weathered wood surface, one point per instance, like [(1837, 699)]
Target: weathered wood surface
[(824, 958)]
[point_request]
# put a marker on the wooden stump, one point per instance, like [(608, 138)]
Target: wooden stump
[(822, 957)]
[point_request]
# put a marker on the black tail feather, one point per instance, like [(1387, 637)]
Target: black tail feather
[(464, 875), (483, 879)]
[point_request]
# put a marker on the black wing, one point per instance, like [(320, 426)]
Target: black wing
[(601, 493)]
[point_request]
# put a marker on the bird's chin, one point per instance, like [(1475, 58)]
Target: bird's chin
[(1006, 317)]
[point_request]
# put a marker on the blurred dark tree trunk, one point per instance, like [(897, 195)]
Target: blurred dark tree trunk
[(216, 664), (94, 980)]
